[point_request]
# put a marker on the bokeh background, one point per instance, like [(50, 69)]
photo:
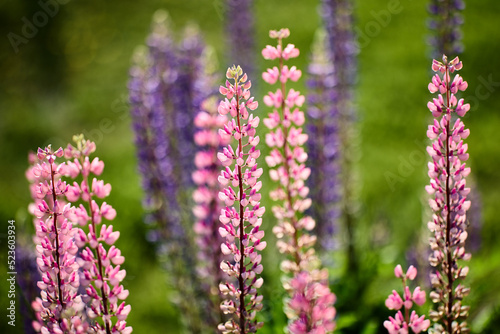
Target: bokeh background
[(71, 77)]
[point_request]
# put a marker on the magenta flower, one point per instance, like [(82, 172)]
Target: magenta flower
[(241, 222), (100, 260), (208, 205), (400, 324), (311, 306), (59, 308), (288, 169), (447, 173)]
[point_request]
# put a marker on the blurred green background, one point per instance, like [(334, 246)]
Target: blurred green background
[(71, 75)]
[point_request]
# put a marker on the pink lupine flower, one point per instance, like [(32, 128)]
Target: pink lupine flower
[(241, 223), (447, 173), (312, 304), (59, 309), (401, 323), (394, 301), (208, 205), (311, 314), (101, 272)]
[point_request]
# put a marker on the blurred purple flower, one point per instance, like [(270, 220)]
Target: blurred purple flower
[(446, 20), (323, 143), (342, 48), (167, 87), (240, 28)]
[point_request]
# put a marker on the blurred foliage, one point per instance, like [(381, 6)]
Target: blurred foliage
[(71, 76)]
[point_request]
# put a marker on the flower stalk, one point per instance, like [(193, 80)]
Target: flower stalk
[(447, 173), (308, 286), (241, 221)]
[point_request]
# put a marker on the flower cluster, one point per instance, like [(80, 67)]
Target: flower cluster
[(240, 27), (287, 161), (60, 306), (401, 323), (446, 21), (324, 142), (447, 173), (241, 222), (338, 22), (99, 259), (167, 86), (311, 305), (208, 206)]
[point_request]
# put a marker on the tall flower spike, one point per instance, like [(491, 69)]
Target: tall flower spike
[(165, 92), (100, 260), (447, 172), (60, 305), (445, 22), (242, 216), (324, 145), (240, 28), (311, 305), (403, 321), (338, 21), (206, 196)]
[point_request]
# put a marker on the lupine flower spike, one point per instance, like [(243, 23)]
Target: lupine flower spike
[(403, 321), (310, 308), (60, 306), (447, 173), (446, 20), (324, 143), (166, 88), (241, 218), (240, 27), (99, 260), (206, 196), (338, 21)]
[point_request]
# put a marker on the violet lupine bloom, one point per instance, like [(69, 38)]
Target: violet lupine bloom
[(323, 145), (287, 160), (240, 27), (404, 321), (445, 22), (447, 172), (153, 114), (206, 196), (27, 276), (100, 260), (159, 111), (188, 92), (338, 22), (241, 222), (60, 306)]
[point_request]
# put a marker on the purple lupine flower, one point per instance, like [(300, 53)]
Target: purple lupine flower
[(323, 146), (60, 306), (188, 92), (241, 222), (311, 298), (208, 206), (100, 259), (403, 321), (27, 276), (338, 21), (165, 93), (240, 28), (447, 173), (445, 22)]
